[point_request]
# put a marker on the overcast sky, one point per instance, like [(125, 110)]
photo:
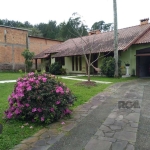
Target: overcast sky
[(37, 11)]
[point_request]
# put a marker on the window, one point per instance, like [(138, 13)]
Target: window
[(61, 60), (80, 63), (76, 63), (72, 63)]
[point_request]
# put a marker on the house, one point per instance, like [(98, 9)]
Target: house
[(13, 41), (133, 47)]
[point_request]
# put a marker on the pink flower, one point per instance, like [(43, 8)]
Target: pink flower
[(37, 81), (10, 101), (58, 102), (16, 96), (31, 74), (62, 123), (12, 108), (17, 111), (42, 118), (19, 95), (18, 104), (27, 105), (24, 79), (20, 84), (31, 79), (9, 115), (39, 77), (59, 89), (52, 109), (39, 110), (29, 88), (67, 111), (34, 110), (44, 79)]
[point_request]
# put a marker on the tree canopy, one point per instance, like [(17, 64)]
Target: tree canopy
[(72, 28), (101, 25), (62, 31)]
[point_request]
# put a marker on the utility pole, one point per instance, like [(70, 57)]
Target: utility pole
[(115, 38)]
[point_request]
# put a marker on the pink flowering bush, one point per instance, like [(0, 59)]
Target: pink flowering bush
[(39, 98)]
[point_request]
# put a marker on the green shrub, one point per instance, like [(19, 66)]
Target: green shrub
[(108, 66), (55, 68), (39, 98), (63, 71), (28, 56)]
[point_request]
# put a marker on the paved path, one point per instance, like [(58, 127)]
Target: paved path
[(7, 81), (73, 78), (99, 124), (143, 136), (65, 77)]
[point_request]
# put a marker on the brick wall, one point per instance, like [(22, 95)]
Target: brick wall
[(37, 45), (13, 42)]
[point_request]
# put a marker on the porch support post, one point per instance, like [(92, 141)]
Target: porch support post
[(35, 64)]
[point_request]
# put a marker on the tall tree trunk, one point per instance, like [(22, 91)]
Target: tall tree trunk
[(115, 38), (89, 65), (88, 72)]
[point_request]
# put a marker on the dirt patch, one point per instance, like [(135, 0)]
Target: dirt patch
[(87, 83)]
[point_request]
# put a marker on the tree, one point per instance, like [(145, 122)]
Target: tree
[(101, 26), (68, 30), (49, 30), (28, 56), (27, 24), (115, 38), (35, 32), (88, 46)]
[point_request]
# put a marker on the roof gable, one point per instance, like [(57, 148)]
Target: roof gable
[(144, 39)]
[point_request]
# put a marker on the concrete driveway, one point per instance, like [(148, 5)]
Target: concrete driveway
[(100, 124)]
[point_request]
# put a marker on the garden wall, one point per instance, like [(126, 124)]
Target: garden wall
[(13, 41)]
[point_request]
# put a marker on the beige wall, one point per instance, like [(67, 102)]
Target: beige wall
[(124, 56), (68, 66)]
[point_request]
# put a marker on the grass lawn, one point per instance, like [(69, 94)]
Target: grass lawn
[(13, 134), (83, 93), (10, 76)]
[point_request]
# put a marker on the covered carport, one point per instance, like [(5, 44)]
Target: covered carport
[(143, 63)]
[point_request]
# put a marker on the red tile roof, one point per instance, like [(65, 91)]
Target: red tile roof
[(102, 42), (47, 52), (144, 39), (41, 55)]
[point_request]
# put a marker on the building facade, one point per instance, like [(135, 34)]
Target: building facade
[(133, 48), (13, 41)]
